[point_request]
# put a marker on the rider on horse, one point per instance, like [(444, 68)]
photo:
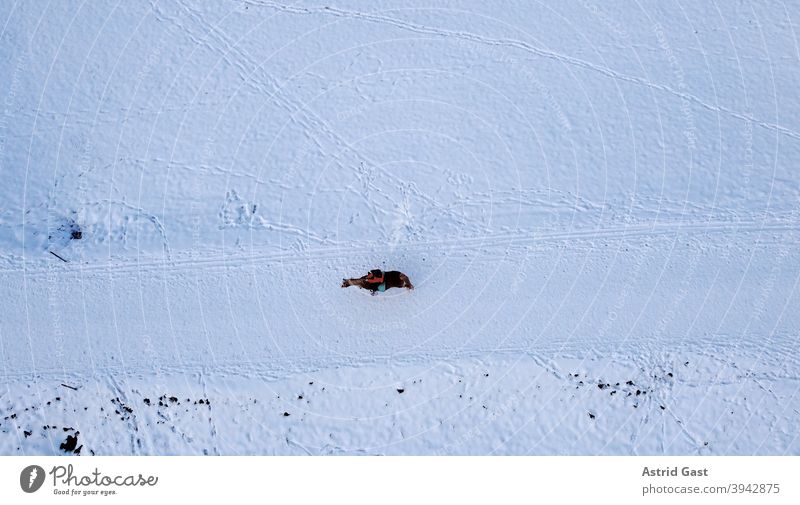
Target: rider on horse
[(375, 281)]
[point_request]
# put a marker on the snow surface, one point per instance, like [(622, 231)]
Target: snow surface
[(596, 201)]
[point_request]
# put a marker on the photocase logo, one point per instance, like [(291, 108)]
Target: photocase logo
[(31, 478)]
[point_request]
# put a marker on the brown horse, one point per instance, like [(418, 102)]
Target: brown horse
[(391, 279)]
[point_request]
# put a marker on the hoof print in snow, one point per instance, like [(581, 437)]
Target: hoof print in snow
[(123, 410), (66, 231), (400, 390), (591, 416), (237, 213), (27, 433), (286, 414)]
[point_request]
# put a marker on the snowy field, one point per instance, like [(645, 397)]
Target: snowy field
[(598, 204)]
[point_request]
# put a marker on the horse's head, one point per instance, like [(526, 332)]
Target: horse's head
[(345, 283)]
